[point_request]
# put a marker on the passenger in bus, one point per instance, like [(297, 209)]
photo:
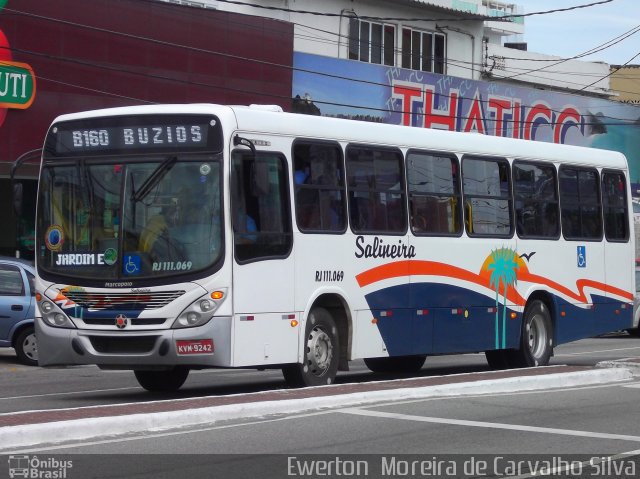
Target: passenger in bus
[(301, 176), (245, 228), (155, 238)]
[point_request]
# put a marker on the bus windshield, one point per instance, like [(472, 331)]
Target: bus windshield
[(130, 219)]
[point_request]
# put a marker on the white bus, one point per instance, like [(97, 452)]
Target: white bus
[(180, 237)]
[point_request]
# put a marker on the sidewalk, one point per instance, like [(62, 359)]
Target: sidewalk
[(33, 428)]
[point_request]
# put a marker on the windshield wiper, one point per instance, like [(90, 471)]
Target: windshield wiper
[(154, 178)]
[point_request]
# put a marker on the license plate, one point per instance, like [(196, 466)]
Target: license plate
[(196, 346)]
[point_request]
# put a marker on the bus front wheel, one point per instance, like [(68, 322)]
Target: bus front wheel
[(536, 341), (321, 352), (162, 381)]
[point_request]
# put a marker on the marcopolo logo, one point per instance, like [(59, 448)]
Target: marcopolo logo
[(40, 468)]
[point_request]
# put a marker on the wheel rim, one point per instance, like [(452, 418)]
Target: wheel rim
[(537, 336), (30, 347), (319, 352)]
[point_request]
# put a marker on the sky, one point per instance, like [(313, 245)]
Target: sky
[(566, 34)]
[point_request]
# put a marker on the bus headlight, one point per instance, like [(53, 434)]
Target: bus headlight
[(54, 316), (200, 311)]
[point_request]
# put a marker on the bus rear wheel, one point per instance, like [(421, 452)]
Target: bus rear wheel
[(321, 354), (499, 358), (536, 340), (396, 364), (162, 381)]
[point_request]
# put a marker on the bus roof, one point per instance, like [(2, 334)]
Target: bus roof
[(261, 119)]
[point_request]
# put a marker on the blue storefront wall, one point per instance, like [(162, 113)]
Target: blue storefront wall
[(364, 91)]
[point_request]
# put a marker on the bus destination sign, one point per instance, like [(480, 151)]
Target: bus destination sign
[(132, 137), (134, 134)]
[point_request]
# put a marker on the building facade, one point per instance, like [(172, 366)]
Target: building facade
[(448, 64), (625, 83)]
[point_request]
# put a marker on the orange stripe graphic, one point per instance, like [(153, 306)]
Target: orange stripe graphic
[(431, 268)]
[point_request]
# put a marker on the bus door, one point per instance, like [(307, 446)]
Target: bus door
[(580, 260), (619, 248), (263, 289)]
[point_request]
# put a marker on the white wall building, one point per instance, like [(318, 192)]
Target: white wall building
[(443, 36)]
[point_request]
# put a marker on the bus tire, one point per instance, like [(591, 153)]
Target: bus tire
[(162, 381), (26, 347), (499, 358), (536, 340), (396, 364), (635, 332), (321, 353)]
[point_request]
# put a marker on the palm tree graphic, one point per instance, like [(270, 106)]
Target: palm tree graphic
[(503, 268)]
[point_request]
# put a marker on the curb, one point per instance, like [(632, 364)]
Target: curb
[(90, 428), (631, 364)]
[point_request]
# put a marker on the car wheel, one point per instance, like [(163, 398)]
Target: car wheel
[(26, 347), (321, 353), (163, 381)]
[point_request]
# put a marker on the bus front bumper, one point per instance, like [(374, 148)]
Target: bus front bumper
[(204, 346)]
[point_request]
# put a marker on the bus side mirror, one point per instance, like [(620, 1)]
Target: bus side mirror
[(17, 199)]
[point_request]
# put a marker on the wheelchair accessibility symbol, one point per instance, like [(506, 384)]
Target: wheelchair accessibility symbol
[(582, 256), (131, 265)]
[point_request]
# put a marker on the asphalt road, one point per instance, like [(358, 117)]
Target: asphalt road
[(589, 431), (24, 388)]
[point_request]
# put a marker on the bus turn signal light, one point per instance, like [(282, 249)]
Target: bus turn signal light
[(217, 295)]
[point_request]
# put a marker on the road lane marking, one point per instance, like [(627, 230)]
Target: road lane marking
[(596, 352), (155, 435), (489, 425)]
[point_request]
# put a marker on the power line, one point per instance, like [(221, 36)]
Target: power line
[(215, 53), (475, 17), (613, 71), (244, 90), (201, 50), (618, 39), (596, 49)]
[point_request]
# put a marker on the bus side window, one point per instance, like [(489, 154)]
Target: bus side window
[(260, 204), (581, 205), (434, 193), (487, 196), (616, 212), (536, 200), (377, 197), (319, 187)]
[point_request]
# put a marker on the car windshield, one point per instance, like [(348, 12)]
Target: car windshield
[(130, 220)]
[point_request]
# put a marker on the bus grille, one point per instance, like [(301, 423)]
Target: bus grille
[(123, 301), (132, 321), (123, 345)]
